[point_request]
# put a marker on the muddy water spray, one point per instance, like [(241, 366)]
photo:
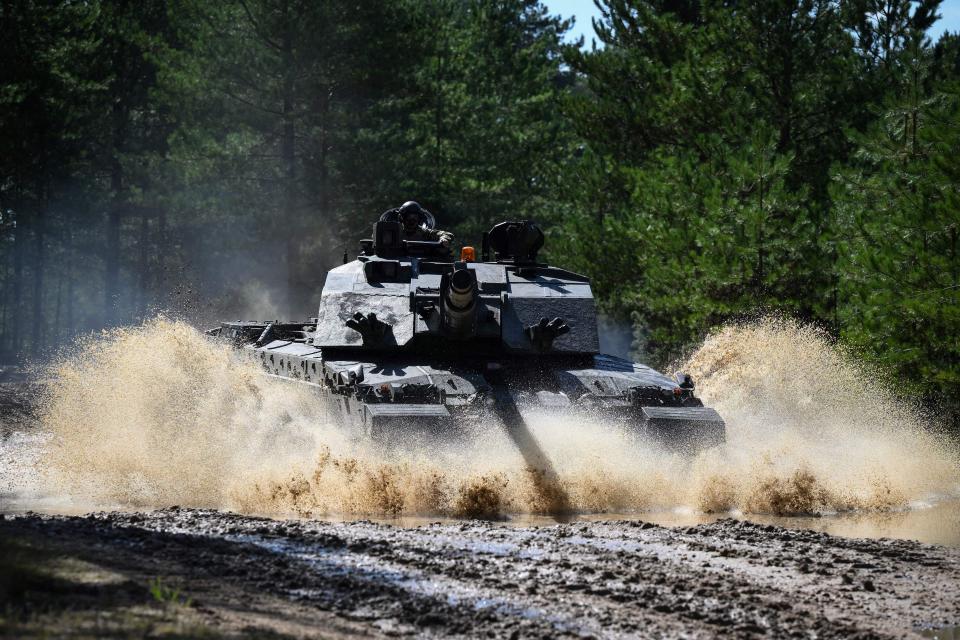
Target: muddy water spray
[(158, 415), (810, 429)]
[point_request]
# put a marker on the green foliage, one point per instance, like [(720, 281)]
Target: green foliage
[(719, 127), (698, 242), (898, 210), (712, 128)]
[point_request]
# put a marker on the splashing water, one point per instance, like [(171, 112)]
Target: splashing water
[(810, 429), (159, 415)]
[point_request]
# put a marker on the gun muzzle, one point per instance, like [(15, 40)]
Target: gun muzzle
[(460, 302)]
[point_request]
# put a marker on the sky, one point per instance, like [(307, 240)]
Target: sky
[(584, 10)]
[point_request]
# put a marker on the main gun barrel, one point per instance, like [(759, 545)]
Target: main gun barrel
[(460, 297)]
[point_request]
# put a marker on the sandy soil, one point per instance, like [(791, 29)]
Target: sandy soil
[(247, 575)]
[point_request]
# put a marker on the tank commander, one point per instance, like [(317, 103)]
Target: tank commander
[(418, 224)]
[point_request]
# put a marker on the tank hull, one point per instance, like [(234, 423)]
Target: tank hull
[(390, 396)]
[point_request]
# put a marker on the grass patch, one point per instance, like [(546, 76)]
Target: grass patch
[(167, 595), (47, 593)]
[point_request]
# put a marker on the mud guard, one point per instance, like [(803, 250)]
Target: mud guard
[(380, 417), (685, 427)]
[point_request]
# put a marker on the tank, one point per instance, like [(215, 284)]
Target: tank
[(408, 340)]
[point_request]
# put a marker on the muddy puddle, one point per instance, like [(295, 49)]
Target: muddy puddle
[(937, 523)]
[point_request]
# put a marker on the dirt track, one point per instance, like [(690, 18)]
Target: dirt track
[(610, 579)]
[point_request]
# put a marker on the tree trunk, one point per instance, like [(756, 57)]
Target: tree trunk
[(111, 289), (288, 159), (69, 323), (19, 253), (438, 128), (5, 295), (323, 182), (112, 273), (143, 265), (161, 244), (39, 244), (760, 239), (58, 306), (5, 302)]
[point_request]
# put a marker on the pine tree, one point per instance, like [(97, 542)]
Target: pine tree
[(899, 209)]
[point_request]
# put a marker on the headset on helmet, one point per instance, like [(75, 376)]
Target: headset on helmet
[(410, 207)]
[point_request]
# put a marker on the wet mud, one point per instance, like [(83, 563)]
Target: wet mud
[(730, 578)]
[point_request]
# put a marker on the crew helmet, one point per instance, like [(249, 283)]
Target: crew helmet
[(411, 215)]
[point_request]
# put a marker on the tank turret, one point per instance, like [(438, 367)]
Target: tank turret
[(401, 295)]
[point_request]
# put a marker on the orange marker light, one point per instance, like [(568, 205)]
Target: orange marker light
[(468, 254)]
